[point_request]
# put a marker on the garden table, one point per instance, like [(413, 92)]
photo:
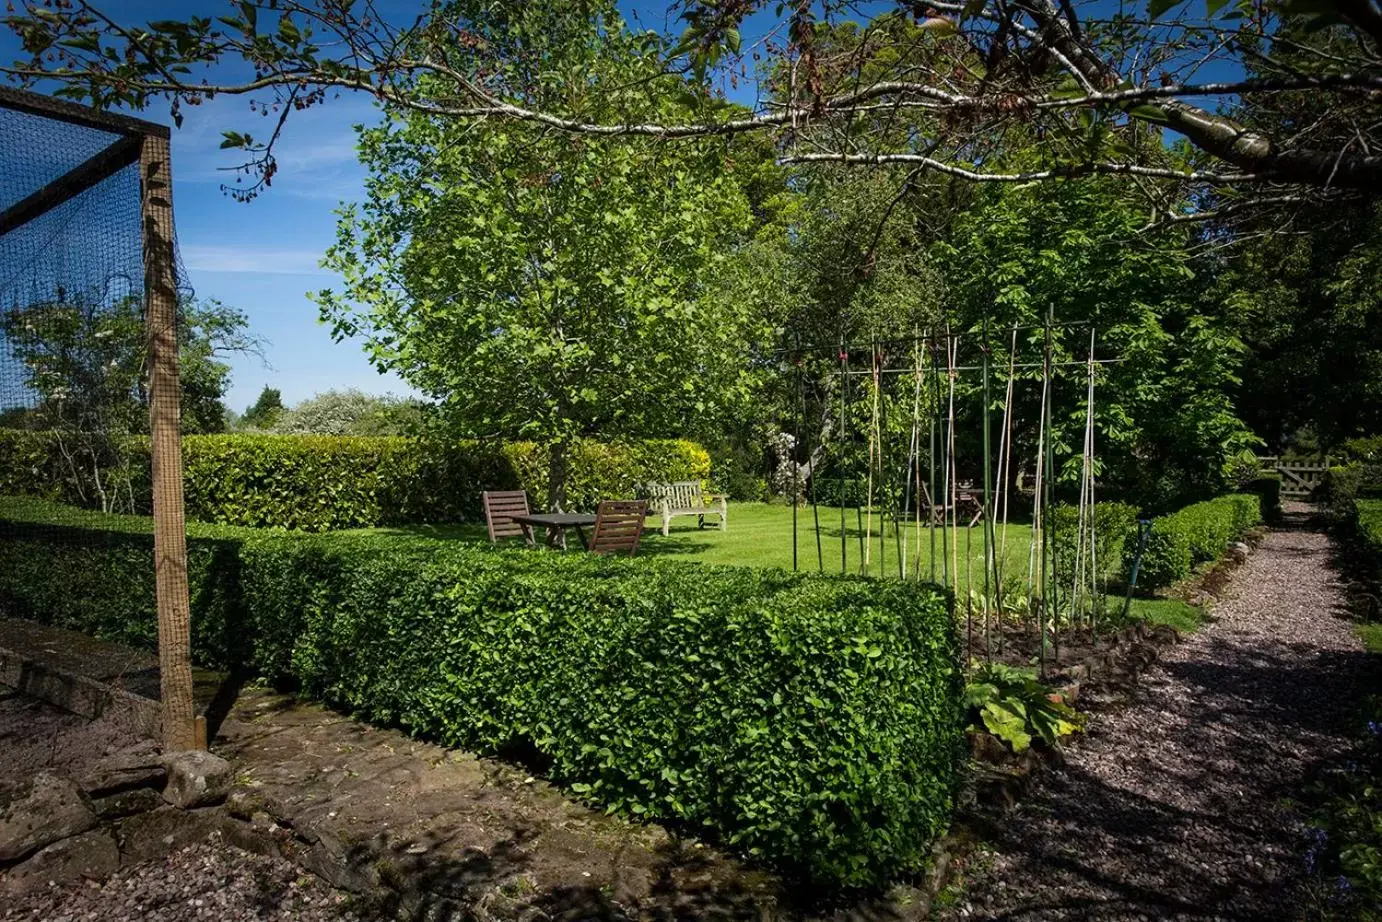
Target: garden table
[(556, 524)]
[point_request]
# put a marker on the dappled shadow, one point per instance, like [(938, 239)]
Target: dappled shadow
[(1179, 806)]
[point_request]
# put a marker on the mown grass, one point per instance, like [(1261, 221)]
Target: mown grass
[(760, 535), (1370, 632)]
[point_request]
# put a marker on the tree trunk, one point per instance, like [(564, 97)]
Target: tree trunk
[(557, 473)]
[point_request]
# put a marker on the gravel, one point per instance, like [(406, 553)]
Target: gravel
[(216, 883), (1174, 807)]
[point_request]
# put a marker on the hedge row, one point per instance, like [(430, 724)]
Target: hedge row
[(1368, 527), (1194, 535), (812, 721), (317, 483), (1115, 537)]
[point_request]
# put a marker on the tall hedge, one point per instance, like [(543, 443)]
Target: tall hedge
[(318, 483), (812, 721)]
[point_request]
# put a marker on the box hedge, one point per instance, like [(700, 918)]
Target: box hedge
[(1267, 485), (318, 483), (812, 721), (1194, 535), (1115, 535)]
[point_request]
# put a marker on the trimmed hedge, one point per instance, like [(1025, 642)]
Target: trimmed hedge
[(815, 722), (1268, 488), (1368, 525), (1194, 535), (319, 483), (1115, 537)]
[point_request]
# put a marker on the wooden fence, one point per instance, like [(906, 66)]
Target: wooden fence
[(1300, 477)]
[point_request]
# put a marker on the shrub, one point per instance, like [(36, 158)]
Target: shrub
[(1194, 535), (1267, 487), (318, 483), (1345, 484), (1115, 531), (815, 722), (1011, 704), (92, 572), (608, 470)]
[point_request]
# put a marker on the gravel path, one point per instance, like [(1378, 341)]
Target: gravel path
[(203, 883), (1172, 807)]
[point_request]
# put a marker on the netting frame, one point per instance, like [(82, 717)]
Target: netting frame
[(148, 144)]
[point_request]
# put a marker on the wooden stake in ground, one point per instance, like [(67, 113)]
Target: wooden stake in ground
[(170, 534)]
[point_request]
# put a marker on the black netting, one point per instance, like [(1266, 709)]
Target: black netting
[(73, 354)]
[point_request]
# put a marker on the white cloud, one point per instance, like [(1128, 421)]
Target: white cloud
[(263, 261)]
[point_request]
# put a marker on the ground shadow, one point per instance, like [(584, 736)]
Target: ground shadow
[(1193, 817)]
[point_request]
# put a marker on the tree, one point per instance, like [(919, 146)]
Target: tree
[(1087, 78), (264, 412), (542, 288), (1303, 286), (352, 412), (86, 366), (1168, 429)]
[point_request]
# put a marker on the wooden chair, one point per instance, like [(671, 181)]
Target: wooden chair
[(618, 526), (500, 508)]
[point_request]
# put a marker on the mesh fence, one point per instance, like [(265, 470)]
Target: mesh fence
[(74, 418), (78, 376)]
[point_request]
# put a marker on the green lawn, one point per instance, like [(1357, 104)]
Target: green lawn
[(760, 535)]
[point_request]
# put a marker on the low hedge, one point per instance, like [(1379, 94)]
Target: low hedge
[(812, 721), (319, 483), (1368, 526), (1267, 486), (1194, 535), (1115, 536)]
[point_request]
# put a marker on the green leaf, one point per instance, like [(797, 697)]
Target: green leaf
[(1148, 113)]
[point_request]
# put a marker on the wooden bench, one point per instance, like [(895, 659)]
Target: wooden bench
[(685, 497)]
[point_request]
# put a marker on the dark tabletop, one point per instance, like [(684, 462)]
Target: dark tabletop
[(556, 519)]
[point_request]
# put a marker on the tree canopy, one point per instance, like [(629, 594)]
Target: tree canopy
[(541, 287), (937, 85)]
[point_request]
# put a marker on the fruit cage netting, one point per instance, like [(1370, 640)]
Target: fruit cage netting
[(74, 356)]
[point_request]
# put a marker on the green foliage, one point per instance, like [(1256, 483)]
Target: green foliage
[(812, 722), (1196, 534), (573, 276), (86, 364), (351, 412), (1344, 858), (1012, 705), (1345, 485), (1167, 427), (319, 483), (1267, 486), (264, 412), (1115, 531), (609, 470), (93, 572)]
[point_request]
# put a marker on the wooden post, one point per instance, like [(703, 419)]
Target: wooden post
[(170, 534)]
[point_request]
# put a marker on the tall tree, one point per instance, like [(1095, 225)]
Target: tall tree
[(1168, 430), (542, 287), (264, 412)]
